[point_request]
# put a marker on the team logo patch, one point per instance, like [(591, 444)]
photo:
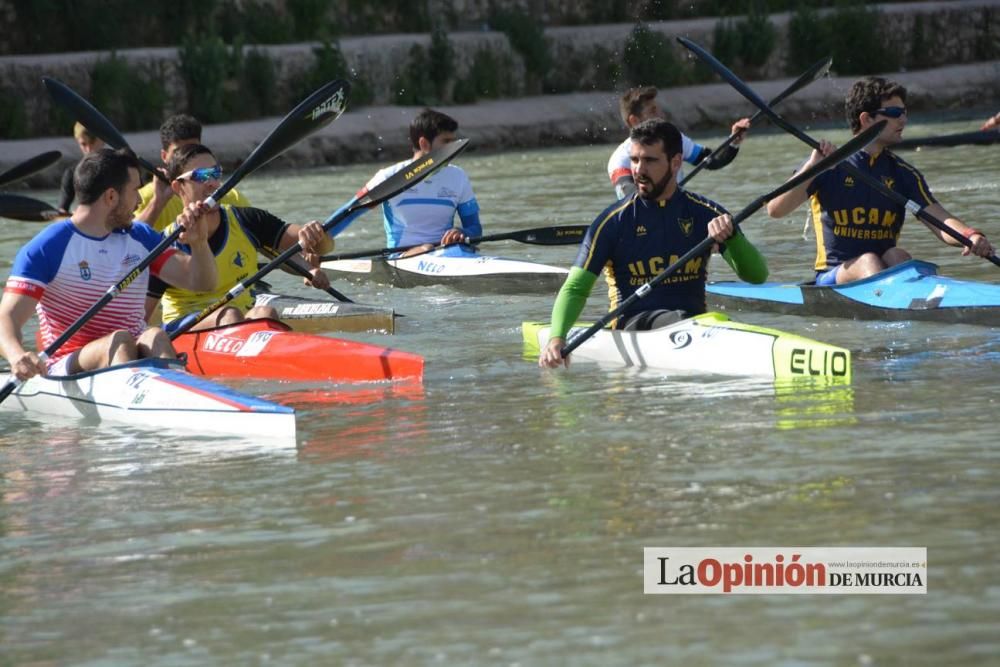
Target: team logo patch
[(849, 181), (687, 225), (640, 230), (447, 193), (238, 259), (888, 181), (131, 259), (85, 270)]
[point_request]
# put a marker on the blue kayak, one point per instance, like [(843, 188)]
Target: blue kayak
[(912, 290)]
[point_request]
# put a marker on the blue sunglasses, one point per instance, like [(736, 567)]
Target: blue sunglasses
[(202, 175), (890, 112)]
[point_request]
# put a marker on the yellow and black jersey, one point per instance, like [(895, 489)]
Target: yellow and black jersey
[(850, 218), (634, 239)]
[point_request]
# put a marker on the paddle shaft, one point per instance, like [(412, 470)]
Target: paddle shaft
[(313, 113), (848, 149), (559, 235), (19, 207), (295, 265), (817, 71), (408, 176), (910, 205)]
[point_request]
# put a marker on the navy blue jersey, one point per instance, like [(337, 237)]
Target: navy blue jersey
[(633, 240), (850, 218)]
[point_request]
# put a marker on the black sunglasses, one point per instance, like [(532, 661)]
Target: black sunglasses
[(890, 112)]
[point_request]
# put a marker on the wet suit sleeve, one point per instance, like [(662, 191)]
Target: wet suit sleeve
[(743, 256), (67, 193), (571, 300)]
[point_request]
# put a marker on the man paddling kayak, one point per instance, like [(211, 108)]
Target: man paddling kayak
[(425, 213), (235, 234), (857, 228), (638, 105), (70, 265), (633, 240)]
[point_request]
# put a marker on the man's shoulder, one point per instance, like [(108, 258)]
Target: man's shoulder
[(702, 202)]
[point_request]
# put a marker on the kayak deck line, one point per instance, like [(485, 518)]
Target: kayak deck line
[(456, 268), (156, 393), (912, 290), (269, 349), (707, 344)]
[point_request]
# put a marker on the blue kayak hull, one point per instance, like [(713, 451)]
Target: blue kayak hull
[(909, 291)]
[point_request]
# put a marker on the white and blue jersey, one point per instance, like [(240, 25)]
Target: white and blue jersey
[(425, 211), (68, 272)]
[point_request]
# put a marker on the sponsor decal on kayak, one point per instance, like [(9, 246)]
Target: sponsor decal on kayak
[(311, 309), (791, 570), (251, 347), (425, 266)]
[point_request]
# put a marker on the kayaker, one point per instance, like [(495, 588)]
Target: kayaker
[(425, 213), (158, 204), (857, 228), (235, 234), (992, 123), (88, 143), (69, 265), (638, 105), (633, 240)]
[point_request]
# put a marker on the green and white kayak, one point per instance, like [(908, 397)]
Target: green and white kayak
[(709, 344)]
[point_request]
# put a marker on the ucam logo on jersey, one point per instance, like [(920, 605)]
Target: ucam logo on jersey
[(793, 570)]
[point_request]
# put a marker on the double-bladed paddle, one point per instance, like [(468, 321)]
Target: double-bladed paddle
[(563, 235), (745, 90), (314, 113), (817, 71), (974, 138), (854, 145), (19, 207), (92, 119), (411, 174), (29, 167)]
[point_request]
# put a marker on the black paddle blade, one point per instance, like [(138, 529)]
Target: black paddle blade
[(410, 175), (18, 207), (976, 138), (564, 235), (311, 114), (84, 111), (29, 167), (92, 119), (818, 70)]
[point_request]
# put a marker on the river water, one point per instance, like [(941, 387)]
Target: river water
[(497, 514)]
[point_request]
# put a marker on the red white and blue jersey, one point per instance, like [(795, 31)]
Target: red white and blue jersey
[(68, 272), (633, 240), (851, 218), (620, 164)]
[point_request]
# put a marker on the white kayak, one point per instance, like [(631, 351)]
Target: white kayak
[(706, 344), (457, 268), (155, 393), (326, 316)]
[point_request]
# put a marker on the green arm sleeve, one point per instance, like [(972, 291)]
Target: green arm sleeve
[(745, 259), (571, 300)]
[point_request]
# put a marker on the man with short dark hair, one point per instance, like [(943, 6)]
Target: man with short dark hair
[(638, 105), (633, 240), (857, 227), (425, 213), (158, 205), (70, 265)]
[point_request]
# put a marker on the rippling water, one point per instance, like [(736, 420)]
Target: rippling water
[(496, 514)]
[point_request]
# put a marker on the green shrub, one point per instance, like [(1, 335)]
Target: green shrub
[(650, 59), (258, 80), (490, 76), (527, 38), (747, 43), (415, 87), (123, 94), (440, 62), (13, 117), (205, 66), (329, 64)]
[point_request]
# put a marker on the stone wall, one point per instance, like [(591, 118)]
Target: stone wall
[(952, 33)]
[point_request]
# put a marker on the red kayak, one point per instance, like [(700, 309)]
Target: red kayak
[(270, 349)]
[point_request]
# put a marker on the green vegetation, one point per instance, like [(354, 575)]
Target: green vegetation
[(527, 38), (650, 59), (329, 64), (121, 91), (851, 34), (13, 117), (747, 44)]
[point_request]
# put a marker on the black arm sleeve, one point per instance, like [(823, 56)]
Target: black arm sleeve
[(156, 288), (727, 155), (264, 229), (67, 193)]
